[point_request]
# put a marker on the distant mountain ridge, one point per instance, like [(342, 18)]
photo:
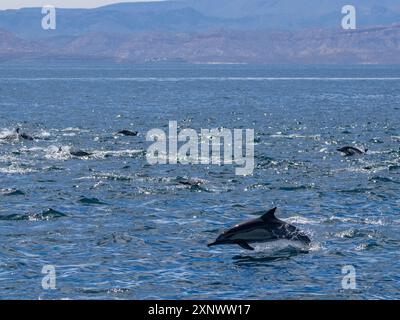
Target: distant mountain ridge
[(201, 16), (252, 31), (367, 46)]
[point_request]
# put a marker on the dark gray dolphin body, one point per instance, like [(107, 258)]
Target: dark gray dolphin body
[(80, 153), (263, 229), (189, 182), (23, 135), (351, 151), (77, 153), (128, 133)]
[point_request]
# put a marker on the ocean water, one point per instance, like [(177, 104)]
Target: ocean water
[(116, 227)]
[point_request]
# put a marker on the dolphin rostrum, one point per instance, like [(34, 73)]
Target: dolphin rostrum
[(351, 151), (263, 229)]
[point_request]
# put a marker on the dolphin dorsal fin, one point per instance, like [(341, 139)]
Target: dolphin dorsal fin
[(269, 215)]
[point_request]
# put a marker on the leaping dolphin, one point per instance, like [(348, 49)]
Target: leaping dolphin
[(264, 229), (352, 151)]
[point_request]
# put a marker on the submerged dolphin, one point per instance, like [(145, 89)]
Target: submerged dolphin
[(77, 153), (263, 229), (128, 133), (17, 135), (80, 153), (352, 151), (10, 137)]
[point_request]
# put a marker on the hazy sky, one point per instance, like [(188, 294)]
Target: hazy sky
[(16, 4)]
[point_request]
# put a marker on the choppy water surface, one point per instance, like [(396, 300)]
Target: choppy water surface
[(117, 228)]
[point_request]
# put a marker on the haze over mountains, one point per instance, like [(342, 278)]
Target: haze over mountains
[(262, 31)]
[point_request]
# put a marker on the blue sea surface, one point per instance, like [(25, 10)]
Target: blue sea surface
[(116, 227)]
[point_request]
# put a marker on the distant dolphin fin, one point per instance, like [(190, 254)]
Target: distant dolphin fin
[(244, 245), (269, 215)]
